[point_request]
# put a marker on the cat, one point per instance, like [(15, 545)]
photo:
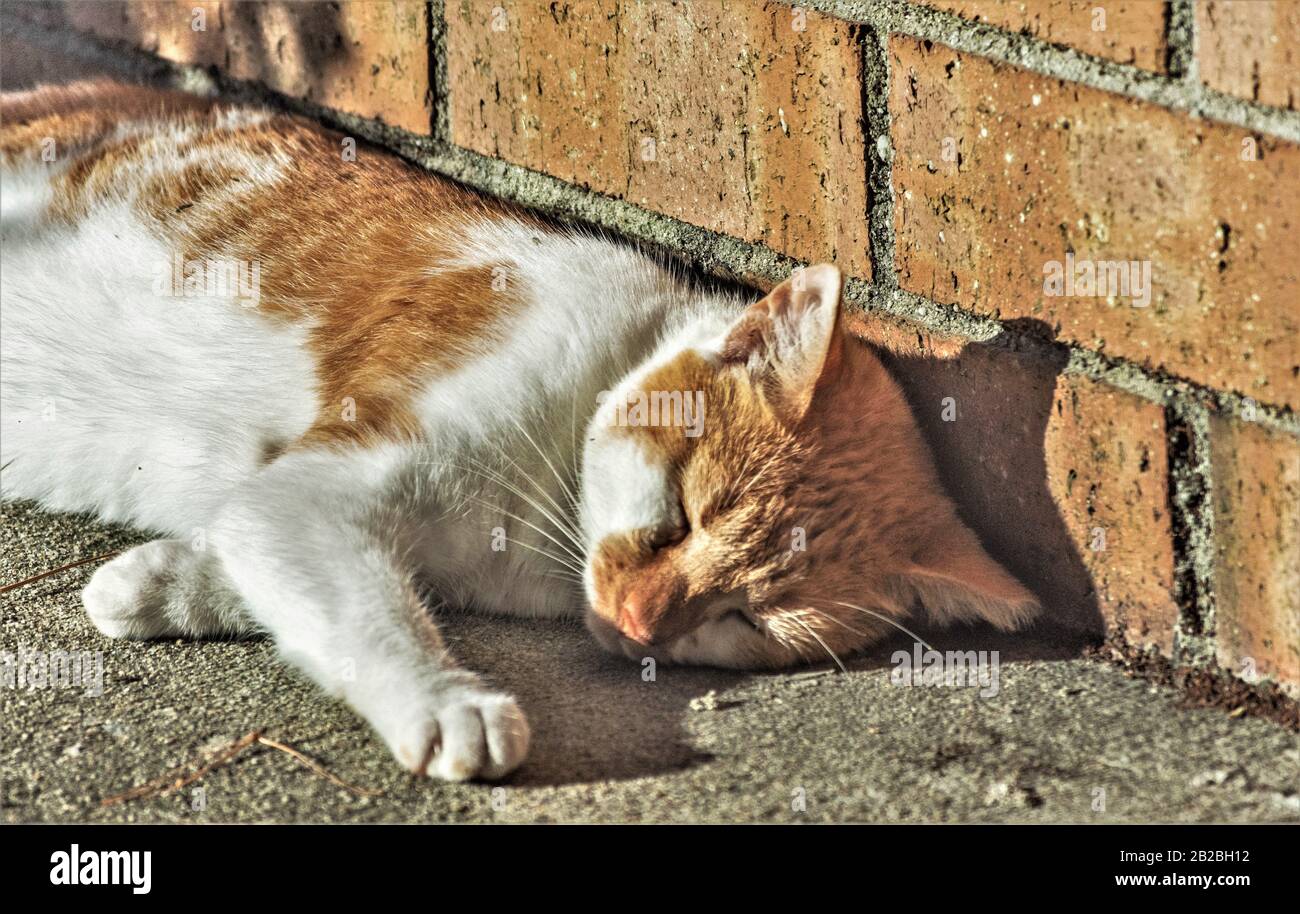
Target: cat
[(342, 389)]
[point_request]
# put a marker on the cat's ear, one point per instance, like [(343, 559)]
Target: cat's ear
[(957, 581), (791, 339)]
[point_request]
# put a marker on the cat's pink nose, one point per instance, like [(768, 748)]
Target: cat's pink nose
[(629, 620)]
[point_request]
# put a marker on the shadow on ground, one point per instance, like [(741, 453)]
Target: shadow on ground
[(595, 717)]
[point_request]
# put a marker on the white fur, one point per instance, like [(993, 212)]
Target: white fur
[(161, 412), (26, 193), (147, 410), (626, 488)]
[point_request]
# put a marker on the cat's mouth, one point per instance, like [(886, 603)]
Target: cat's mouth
[(708, 638)]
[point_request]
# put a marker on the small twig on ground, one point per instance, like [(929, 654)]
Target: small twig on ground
[(164, 785), (318, 769), (45, 574), (171, 782)]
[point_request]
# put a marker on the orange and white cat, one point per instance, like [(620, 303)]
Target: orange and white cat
[(340, 388)]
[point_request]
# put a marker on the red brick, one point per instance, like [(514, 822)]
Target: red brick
[(1108, 468), (1045, 168), (1132, 32), (364, 58), (1256, 486), (1065, 479), (1251, 50), (756, 124)]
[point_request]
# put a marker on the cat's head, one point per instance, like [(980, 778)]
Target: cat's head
[(758, 495)]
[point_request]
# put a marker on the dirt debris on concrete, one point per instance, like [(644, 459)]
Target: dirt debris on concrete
[(1205, 688)]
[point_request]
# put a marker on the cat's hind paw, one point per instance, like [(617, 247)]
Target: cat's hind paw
[(472, 735), (126, 598)]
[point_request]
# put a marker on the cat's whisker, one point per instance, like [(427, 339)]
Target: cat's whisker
[(550, 555), (789, 630), (561, 521), (557, 522), (840, 622), (576, 559), (787, 633), (566, 479), (564, 484), (497, 476), (808, 628), (573, 433), (568, 578), (572, 490), (559, 558), (572, 575), (882, 618)]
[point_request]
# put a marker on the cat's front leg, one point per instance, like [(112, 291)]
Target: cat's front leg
[(314, 553)]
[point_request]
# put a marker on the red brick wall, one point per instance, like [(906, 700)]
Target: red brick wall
[(1136, 462), (719, 114), (1251, 49), (1046, 166), (1132, 32)]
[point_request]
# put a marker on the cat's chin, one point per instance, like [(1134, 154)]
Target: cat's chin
[(726, 642)]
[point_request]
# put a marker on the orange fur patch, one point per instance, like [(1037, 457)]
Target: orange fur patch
[(80, 114), (356, 251)]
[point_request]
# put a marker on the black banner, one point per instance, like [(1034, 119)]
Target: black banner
[(230, 863)]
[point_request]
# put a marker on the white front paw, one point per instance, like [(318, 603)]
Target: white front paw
[(469, 733)]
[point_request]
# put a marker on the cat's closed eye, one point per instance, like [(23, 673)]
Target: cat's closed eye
[(670, 533), (744, 618)]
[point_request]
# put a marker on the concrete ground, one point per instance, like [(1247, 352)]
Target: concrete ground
[(1065, 740)]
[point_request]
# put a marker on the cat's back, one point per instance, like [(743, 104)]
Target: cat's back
[(193, 287), (185, 292), (218, 177), (393, 274)]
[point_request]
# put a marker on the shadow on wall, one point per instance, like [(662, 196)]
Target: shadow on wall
[(987, 413), (24, 66), (300, 51), (299, 48)]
